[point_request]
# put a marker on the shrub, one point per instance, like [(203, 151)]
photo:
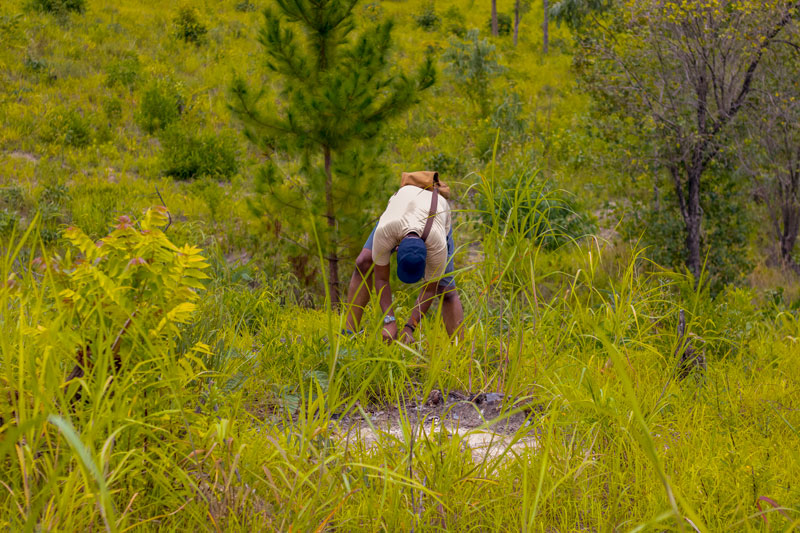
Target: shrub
[(59, 6), (112, 108), (124, 71), (36, 65), (11, 196), (455, 22), (136, 280), (162, 103), (67, 127), (8, 220), (504, 24), (427, 19), (186, 154), (449, 166), (188, 26), (373, 11), (245, 6)]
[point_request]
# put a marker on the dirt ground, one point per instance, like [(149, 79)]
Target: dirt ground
[(486, 422)]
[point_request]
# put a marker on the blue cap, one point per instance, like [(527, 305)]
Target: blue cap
[(411, 255)]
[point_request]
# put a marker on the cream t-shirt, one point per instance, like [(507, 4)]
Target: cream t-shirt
[(407, 212)]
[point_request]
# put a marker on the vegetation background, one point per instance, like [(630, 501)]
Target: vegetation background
[(170, 347)]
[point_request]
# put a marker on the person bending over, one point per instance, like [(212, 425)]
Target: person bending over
[(417, 225)]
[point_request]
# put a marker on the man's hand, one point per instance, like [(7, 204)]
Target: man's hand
[(389, 332), (406, 336)]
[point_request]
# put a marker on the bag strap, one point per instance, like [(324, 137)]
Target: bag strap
[(432, 212)]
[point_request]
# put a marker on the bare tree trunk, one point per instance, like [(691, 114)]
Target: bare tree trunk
[(494, 18), (693, 220), (791, 220), (516, 21), (333, 252), (546, 28), (790, 213)]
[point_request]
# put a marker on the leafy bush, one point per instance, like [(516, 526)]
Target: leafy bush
[(455, 22), (162, 103), (11, 196), (504, 24), (112, 108), (66, 126), (188, 26), (35, 64), (116, 304), (154, 279), (373, 11), (245, 6), (448, 166), (8, 220), (59, 6), (124, 71), (186, 154), (427, 19)]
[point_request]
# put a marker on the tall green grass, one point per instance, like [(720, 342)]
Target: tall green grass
[(254, 434)]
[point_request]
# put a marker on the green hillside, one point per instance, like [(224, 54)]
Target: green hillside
[(172, 358)]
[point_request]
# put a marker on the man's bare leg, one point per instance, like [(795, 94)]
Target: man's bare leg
[(361, 284), (452, 311)]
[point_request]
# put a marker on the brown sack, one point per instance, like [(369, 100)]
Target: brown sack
[(424, 179)]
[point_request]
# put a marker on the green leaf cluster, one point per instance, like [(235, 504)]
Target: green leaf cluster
[(134, 279)]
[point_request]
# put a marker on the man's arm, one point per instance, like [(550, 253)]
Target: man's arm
[(424, 301), (384, 290)]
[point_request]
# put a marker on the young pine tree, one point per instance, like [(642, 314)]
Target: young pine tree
[(336, 90)]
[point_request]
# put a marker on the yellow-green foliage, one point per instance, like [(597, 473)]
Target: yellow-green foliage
[(133, 272), (108, 314), (227, 409)]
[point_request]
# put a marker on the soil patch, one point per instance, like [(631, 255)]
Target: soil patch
[(27, 156), (488, 423)]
